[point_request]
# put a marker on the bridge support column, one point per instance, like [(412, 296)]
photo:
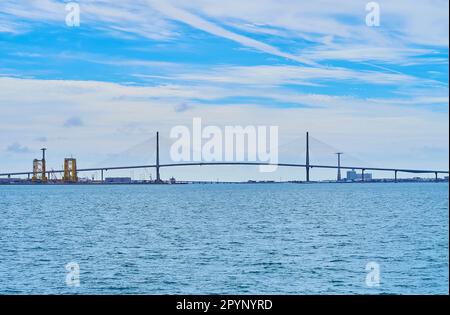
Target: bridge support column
[(158, 176), (339, 177), (307, 157), (102, 179), (396, 176), (436, 176), (362, 175)]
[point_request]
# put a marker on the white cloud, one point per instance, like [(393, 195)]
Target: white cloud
[(337, 30), (9, 27), (73, 122), (17, 148), (332, 31), (390, 55), (283, 74), (424, 22), (204, 25), (119, 18)]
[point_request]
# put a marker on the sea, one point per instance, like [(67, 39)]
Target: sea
[(360, 238)]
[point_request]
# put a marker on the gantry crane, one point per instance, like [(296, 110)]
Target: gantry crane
[(39, 169), (70, 170)]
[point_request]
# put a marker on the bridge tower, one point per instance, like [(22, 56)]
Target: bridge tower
[(70, 170), (158, 176), (339, 177), (307, 156)]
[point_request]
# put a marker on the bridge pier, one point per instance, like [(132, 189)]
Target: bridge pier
[(307, 157), (102, 178), (158, 175), (396, 177), (436, 176), (362, 175)]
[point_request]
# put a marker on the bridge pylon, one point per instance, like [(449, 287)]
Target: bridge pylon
[(158, 175), (307, 157)]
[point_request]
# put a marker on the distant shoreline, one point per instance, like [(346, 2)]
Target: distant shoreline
[(380, 181)]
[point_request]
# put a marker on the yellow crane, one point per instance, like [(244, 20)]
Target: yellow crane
[(70, 170), (39, 169)]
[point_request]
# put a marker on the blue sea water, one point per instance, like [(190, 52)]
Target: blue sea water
[(240, 238)]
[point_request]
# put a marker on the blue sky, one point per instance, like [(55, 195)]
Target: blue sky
[(134, 67)]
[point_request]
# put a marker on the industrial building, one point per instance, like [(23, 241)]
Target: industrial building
[(354, 176), (118, 180)]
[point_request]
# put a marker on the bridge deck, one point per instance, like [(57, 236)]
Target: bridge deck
[(402, 170)]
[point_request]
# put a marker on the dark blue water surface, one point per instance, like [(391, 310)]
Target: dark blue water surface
[(249, 238)]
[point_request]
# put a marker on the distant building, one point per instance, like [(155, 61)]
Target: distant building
[(118, 180), (353, 176), (11, 181), (367, 176)]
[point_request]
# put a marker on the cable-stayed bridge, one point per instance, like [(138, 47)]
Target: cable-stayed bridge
[(307, 165)]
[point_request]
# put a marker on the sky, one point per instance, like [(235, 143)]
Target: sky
[(100, 91)]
